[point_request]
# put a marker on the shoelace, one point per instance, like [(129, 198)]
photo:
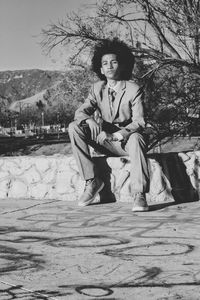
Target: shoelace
[(137, 195)]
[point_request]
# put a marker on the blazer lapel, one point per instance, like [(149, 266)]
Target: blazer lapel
[(120, 93)]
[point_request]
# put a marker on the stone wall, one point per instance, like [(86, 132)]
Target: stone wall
[(173, 177)]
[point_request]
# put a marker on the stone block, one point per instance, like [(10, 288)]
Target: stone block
[(41, 164), (4, 175), (12, 166), (17, 189), (32, 175), (173, 177), (38, 191), (115, 172), (4, 188), (49, 176)]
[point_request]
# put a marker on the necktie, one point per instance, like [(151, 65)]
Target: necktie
[(111, 96)]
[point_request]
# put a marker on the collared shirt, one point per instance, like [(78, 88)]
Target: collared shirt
[(112, 91), (116, 87)]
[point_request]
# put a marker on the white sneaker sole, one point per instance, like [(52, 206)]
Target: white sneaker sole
[(140, 209), (82, 204)]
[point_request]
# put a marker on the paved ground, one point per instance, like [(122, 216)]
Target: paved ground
[(55, 250)]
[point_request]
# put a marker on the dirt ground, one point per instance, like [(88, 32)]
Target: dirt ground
[(40, 149), (180, 144), (55, 250), (63, 148)]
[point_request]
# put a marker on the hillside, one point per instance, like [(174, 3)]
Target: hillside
[(59, 92), (20, 84)]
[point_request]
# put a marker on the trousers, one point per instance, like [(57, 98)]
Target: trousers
[(135, 148)]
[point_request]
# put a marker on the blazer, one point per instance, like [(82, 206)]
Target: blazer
[(128, 109)]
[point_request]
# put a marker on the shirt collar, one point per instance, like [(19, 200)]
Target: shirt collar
[(116, 87)]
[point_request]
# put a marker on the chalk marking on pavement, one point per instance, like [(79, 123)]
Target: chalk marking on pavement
[(27, 290), (25, 208)]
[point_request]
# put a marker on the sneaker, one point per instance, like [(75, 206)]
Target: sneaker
[(92, 188), (140, 203)]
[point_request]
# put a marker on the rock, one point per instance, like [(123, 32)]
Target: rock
[(173, 177)]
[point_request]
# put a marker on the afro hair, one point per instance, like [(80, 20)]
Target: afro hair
[(124, 55)]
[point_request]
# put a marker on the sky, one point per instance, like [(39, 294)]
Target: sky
[(21, 22)]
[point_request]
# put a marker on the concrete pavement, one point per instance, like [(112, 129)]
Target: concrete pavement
[(53, 249)]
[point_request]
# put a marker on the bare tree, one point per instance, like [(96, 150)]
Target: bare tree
[(165, 34), (161, 31)]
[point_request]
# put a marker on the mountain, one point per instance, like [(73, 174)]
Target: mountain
[(29, 92), (21, 84)]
